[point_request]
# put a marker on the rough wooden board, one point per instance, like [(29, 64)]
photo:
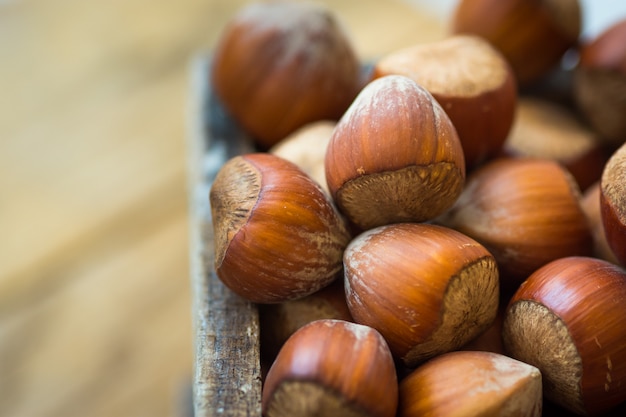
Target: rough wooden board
[(227, 380)]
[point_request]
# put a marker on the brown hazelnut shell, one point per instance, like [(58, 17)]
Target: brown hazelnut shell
[(544, 129), (526, 212), (427, 289), (600, 83), (306, 147), (613, 203), (533, 35), (607, 50), (470, 383), (473, 83), (332, 367), (394, 156), (280, 65), (590, 204), (278, 236), (280, 320), (567, 319)]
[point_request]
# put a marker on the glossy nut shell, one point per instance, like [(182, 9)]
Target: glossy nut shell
[(473, 83), (600, 83), (533, 35), (394, 156), (613, 203), (568, 319), (470, 383), (332, 367), (526, 211), (280, 65), (278, 236), (426, 288)]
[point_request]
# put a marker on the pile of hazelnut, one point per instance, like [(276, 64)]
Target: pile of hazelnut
[(441, 232)]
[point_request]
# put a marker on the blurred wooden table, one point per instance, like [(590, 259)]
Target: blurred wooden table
[(94, 285)]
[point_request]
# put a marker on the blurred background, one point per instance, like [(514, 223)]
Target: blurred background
[(95, 313)]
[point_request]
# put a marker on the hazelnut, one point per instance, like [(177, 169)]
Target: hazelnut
[(590, 204), (280, 65), (600, 83), (543, 129), (473, 83), (567, 319), (533, 35), (427, 289), (613, 203), (477, 384), (332, 368), (280, 320), (394, 156), (278, 236), (306, 147), (526, 212)]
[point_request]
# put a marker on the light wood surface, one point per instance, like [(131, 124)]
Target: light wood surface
[(95, 303)]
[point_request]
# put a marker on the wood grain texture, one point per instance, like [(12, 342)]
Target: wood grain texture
[(95, 296), (227, 379)]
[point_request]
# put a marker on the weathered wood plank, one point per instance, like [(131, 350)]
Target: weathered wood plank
[(227, 380)]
